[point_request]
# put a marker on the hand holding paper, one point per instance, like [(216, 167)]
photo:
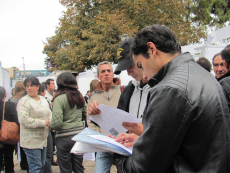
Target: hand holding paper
[(93, 108), (136, 128), (110, 119), (99, 142), (127, 139)]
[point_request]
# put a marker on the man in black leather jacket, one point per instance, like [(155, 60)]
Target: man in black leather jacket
[(186, 116), (225, 79)]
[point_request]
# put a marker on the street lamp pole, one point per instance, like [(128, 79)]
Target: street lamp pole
[(23, 66)]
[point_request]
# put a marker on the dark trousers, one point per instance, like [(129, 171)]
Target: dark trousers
[(68, 162), (49, 154), (7, 153), (23, 163), (53, 133)]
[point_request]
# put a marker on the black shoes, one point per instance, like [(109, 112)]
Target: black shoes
[(54, 163)]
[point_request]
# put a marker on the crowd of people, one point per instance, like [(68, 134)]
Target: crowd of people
[(184, 111), (32, 107), (185, 114)]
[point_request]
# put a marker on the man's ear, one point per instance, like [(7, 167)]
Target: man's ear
[(151, 48)]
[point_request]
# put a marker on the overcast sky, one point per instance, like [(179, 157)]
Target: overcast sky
[(25, 25)]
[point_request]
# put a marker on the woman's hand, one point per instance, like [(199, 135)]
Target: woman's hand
[(47, 123)]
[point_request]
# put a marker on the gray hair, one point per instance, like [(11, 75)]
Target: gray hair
[(215, 57), (102, 63)]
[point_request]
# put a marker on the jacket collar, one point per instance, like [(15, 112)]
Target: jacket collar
[(175, 62), (137, 85), (116, 81), (225, 75)]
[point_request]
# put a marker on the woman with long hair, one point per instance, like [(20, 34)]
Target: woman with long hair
[(68, 110), (6, 150), (34, 117), (19, 93)]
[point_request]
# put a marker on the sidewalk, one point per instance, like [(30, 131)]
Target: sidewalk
[(89, 167)]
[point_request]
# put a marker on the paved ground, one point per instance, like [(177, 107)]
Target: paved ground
[(89, 167)]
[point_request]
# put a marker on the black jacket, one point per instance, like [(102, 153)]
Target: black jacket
[(185, 123), (126, 94), (225, 83), (10, 112)]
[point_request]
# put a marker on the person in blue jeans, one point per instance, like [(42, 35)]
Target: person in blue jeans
[(34, 116), (107, 92)]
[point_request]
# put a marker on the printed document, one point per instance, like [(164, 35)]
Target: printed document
[(91, 141), (111, 141), (110, 119)]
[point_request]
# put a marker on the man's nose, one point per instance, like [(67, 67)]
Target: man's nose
[(106, 72), (220, 68), (145, 76)]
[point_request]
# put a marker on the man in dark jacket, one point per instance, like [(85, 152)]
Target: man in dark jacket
[(134, 96), (225, 79), (186, 116), (86, 97)]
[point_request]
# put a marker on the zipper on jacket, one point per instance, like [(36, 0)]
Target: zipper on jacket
[(139, 101)]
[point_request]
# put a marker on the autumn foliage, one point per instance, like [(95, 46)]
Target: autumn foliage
[(89, 31)]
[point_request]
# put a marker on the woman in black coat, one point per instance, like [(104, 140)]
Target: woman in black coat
[(6, 150)]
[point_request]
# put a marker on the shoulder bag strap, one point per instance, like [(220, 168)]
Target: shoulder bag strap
[(3, 108)]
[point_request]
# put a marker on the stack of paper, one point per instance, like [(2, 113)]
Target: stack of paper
[(91, 141), (110, 119)]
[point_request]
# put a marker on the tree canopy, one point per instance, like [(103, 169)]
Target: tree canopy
[(89, 31)]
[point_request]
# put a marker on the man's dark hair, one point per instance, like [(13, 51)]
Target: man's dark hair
[(215, 57), (2, 93), (205, 63), (41, 88), (33, 80), (48, 82), (162, 36), (225, 54), (227, 47), (87, 92), (12, 92)]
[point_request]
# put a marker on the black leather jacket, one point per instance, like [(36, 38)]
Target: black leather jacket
[(225, 83), (185, 123)]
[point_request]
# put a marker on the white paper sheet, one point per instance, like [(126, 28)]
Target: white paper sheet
[(111, 141), (89, 156), (89, 144), (110, 119), (82, 148)]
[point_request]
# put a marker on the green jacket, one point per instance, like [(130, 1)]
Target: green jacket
[(66, 121)]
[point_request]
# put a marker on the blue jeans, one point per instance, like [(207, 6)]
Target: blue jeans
[(104, 161), (36, 159)]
